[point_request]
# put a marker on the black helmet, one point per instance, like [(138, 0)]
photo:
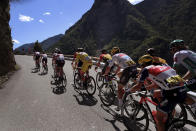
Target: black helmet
[(178, 43), (104, 51), (150, 51), (80, 50)]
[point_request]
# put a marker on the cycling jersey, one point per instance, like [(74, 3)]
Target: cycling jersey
[(37, 55), (60, 57), (82, 56), (164, 76), (186, 58), (85, 59), (122, 60), (44, 55), (105, 57)]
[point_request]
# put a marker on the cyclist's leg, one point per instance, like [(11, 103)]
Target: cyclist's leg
[(167, 105), (83, 70)]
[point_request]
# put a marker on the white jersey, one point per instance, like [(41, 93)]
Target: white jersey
[(44, 55), (186, 58), (164, 76), (37, 53), (60, 57), (120, 59)]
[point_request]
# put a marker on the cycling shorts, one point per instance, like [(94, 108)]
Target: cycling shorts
[(80, 63), (129, 72), (44, 60), (37, 57), (60, 63), (171, 98)]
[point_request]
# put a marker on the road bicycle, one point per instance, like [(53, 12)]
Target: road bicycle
[(89, 84), (108, 90), (140, 111)]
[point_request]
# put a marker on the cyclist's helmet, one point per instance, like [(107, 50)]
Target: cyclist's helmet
[(115, 50), (145, 60), (80, 50), (56, 50), (177, 44), (104, 51), (151, 51)]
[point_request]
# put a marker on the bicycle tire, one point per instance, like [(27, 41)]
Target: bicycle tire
[(99, 81), (107, 94), (77, 79), (91, 84), (181, 125), (139, 108), (183, 113)]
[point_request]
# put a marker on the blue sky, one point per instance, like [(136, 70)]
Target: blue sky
[(39, 19)]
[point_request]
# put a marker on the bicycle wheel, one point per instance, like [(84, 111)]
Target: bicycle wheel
[(180, 125), (140, 116), (91, 85), (180, 112), (99, 79), (77, 80), (107, 94)]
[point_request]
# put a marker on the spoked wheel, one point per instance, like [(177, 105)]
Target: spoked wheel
[(180, 125), (140, 116), (91, 85), (180, 112), (99, 79), (107, 94), (77, 80)]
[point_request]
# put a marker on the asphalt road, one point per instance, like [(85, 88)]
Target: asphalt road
[(29, 103)]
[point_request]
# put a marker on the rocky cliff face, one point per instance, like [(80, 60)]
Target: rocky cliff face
[(7, 61)]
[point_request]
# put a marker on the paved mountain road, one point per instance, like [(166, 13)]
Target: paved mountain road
[(28, 103)]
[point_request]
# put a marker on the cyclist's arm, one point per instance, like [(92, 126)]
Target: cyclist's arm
[(139, 84)]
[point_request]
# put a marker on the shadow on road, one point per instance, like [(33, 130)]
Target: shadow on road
[(128, 122), (85, 99), (58, 90)]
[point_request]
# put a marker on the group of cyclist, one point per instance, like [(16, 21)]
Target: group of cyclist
[(155, 73), (152, 73), (38, 58)]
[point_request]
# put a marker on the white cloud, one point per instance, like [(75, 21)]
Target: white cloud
[(60, 13), (15, 41), (24, 18), (135, 1), (41, 21), (47, 13)]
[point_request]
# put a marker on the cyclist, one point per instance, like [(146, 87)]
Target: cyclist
[(156, 60), (104, 57), (37, 59), (186, 58), (74, 58), (44, 59), (171, 84), (86, 64), (126, 69), (60, 62)]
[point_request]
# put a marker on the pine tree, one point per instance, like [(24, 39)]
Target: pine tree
[(37, 46)]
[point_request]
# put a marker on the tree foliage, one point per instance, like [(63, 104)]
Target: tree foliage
[(37, 47)]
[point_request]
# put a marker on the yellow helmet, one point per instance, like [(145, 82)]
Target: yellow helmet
[(145, 59), (115, 50)]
